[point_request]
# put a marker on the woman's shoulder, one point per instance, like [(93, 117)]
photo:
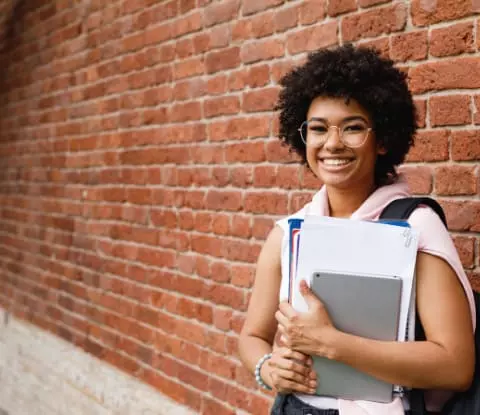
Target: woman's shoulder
[(428, 223)]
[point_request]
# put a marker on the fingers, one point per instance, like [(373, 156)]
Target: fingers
[(283, 384), (287, 310), (292, 371)]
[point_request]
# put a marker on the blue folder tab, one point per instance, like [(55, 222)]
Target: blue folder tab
[(395, 222), (295, 225)]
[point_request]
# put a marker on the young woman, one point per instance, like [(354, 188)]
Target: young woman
[(350, 116)]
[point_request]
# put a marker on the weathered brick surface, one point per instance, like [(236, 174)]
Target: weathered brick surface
[(452, 40), (141, 170), (409, 46)]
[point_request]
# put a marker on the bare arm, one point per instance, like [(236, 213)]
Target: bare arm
[(444, 361), (256, 337), (287, 370)]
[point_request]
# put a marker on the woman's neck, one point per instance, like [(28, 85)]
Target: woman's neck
[(342, 203)]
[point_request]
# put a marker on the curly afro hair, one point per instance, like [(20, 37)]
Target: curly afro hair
[(352, 73)]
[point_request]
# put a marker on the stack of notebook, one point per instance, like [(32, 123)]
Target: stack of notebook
[(364, 274)]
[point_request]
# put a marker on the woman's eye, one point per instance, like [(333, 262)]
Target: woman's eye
[(318, 129), (354, 128)]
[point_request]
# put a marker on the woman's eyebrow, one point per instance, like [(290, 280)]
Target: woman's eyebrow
[(350, 118)]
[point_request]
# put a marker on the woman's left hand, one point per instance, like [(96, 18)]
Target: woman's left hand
[(305, 332)]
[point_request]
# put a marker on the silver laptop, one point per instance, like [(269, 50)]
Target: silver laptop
[(363, 305)]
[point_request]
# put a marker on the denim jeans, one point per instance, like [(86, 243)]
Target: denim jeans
[(291, 405)]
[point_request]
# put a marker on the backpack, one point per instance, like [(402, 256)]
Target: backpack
[(461, 403)]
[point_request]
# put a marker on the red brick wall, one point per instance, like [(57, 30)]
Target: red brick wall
[(139, 170)]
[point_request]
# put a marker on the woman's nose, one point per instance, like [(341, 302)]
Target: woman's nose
[(334, 140)]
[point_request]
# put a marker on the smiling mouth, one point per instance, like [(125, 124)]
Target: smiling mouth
[(335, 162)]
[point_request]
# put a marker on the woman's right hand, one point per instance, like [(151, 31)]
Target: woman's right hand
[(289, 371)]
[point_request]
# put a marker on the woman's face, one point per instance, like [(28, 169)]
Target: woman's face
[(334, 163)]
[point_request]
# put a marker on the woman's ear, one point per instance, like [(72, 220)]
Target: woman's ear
[(381, 151)]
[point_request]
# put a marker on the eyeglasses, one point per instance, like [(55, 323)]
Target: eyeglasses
[(352, 134)]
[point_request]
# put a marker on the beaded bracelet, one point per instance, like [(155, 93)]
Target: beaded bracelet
[(258, 367)]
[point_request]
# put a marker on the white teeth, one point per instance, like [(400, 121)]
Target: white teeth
[(336, 162)]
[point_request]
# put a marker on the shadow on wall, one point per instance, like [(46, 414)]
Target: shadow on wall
[(14, 36), (13, 25)]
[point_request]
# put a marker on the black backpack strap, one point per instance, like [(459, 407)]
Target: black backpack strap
[(403, 208)]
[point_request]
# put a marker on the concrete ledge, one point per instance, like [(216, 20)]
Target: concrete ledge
[(45, 375)]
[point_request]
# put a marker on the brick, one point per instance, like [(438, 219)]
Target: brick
[(276, 151), (158, 34), (184, 48), (258, 76), (313, 38), (217, 85), (280, 69), (262, 50), (264, 176), (465, 145), (455, 180), (336, 7), (221, 225), (189, 24), (226, 295), (242, 30), (298, 200), (211, 406), (186, 112), (189, 89), (190, 67), (231, 201), (222, 318), (286, 19), (238, 128), (450, 110), (201, 42), (243, 275), (260, 100), (219, 37), (207, 154), (245, 152), (263, 25), (237, 80), (221, 106), (429, 12), (429, 146), (221, 12), (186, 5), (254, 6), (419, 179), (476, 111), (409, 46), (456, 73), (266, 202), (421, 109), (466, 250), (224, 59), (375, 22), (312, 11), (288, 177), (452, 40)]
